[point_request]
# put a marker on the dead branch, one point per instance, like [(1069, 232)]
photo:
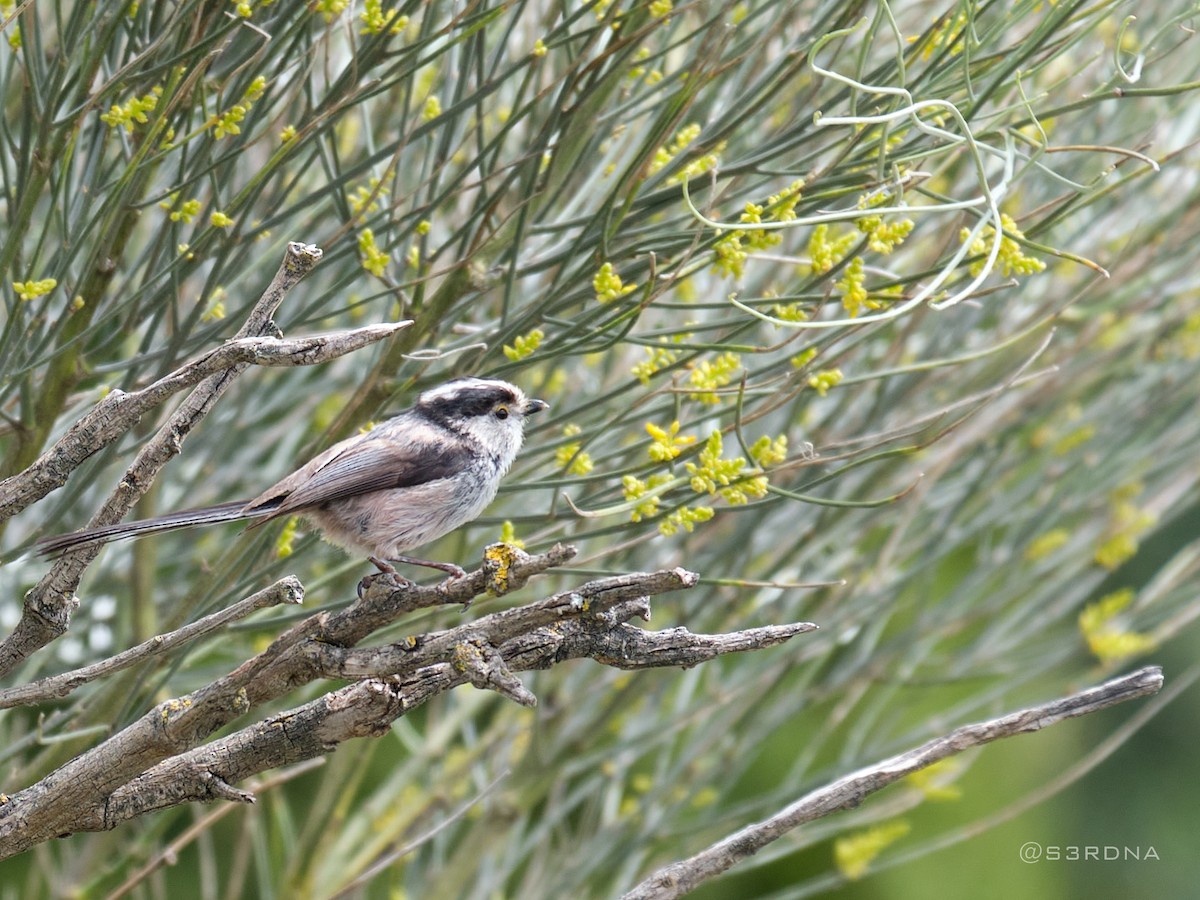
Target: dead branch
[(48, 606), (686, 875), (161, 761), (286, 590)]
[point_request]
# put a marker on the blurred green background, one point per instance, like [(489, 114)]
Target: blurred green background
[(967, 454)]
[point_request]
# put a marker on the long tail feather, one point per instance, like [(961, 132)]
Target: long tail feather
[(208, 515)]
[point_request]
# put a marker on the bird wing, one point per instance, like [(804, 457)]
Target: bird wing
[(363, 464)]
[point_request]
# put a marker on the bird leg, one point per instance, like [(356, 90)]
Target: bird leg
[(387, 570), (449, 568), (382, 565), (386, 567)]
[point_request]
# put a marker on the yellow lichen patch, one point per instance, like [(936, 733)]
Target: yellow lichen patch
[(500, 559), (466, 657), (171, 708)]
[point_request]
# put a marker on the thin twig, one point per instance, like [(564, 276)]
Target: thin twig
[(681, 877), (592, 599), (169, 853), (52, 805), (286, 590)]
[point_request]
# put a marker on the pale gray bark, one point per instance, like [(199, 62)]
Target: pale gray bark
[(48, 606), (686, 875), (162, 759)]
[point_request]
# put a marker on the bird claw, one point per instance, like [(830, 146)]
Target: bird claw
[(392, 578)]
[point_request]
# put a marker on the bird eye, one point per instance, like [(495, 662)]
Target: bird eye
[(501, 412)]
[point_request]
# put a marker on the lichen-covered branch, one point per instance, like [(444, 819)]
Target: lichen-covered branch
[(592, 599), (686, 875), (368, 707), (180, 724)]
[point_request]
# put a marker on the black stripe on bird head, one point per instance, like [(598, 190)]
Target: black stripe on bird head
[(466, 398)]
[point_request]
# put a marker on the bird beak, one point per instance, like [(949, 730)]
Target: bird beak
[(533, 406)]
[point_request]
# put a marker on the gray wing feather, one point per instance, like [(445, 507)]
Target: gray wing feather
[(361, 465)]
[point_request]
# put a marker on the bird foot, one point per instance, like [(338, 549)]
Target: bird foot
[(389, 575), (388, 571)]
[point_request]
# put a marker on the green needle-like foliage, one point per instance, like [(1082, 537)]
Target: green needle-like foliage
[(881, 318)]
